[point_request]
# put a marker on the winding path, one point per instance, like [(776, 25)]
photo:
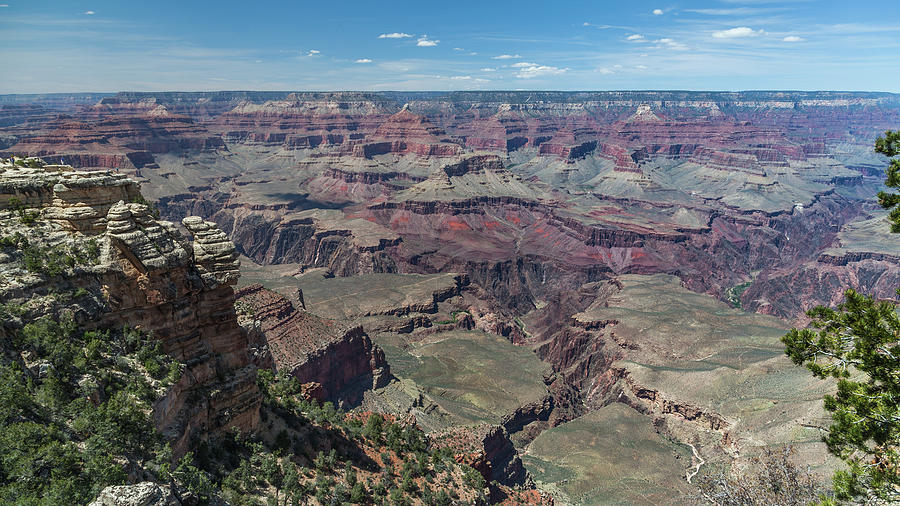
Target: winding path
[(693, 472)]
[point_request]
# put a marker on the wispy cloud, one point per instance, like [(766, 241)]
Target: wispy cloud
[(737, 33), (658, 12), (607, 27), (313, 52), (395, 35), (4, 5), (506, 57), (531, 70), (488, 69), (670, 44), (363, 60), (635, 36), (87, 13), (424, 41), (461, 78), (793, 38)]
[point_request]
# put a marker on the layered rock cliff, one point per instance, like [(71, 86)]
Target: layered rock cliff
[(337, 361), (82, 232)]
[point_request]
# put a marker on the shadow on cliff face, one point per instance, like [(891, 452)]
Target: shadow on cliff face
[(301, 202)]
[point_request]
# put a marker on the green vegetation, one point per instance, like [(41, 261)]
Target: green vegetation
[(325, 453), (733, 294), (74, 413), (52, 260), (75, 418), (30, 162), (889, 145), (858, 343), (454, 318), (26, 217)]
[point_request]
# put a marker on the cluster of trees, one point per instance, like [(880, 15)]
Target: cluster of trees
[(322, 452), (858, 343), (74, 419), (74, 411), (44, 258)]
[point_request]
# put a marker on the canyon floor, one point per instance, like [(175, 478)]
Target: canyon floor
[(591, 285)]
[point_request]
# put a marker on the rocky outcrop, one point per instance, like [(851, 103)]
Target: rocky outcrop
[(562, 403), (340, 359), (78, 201), (214, 254), (140, 494), (487, 449), (149, 246), (140, 273)]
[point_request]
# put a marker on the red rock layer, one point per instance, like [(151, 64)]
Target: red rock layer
[(343, 360), (116, 134)]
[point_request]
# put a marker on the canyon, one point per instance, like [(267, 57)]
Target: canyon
[(578, 291)]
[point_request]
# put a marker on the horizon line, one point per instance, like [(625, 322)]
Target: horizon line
[(379, 92)]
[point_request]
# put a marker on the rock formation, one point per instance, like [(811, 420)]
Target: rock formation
[(340, 359), (141, 494), (143, 275)]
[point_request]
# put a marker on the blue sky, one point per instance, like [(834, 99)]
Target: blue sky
[(106, 45)]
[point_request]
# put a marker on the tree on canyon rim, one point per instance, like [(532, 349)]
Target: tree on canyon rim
[(858, 343)]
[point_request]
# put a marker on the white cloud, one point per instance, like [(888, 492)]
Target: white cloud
[(461, 78), (586, 24), (657, 12), (641, 67), (424, 41), (670, 44), (506, 57), (313, 52), (530, 70), (89, 13), (737, 33), (363, 60), (395, 35), (458, 49), (635, 36), (793, 38), (4, 5), (488, 69), (605, 71)]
